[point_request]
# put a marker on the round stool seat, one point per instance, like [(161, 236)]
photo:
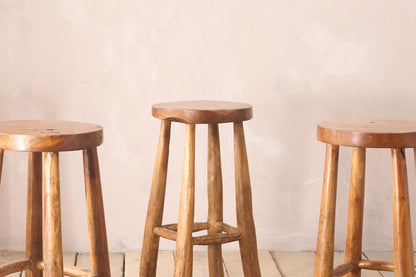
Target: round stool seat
[(49, 135), (369, 133), (199, 112)]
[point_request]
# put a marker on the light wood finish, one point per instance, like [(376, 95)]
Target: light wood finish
[(165, 261), (196, 227), (69, 260), (215, 239), (227, 228), (198, 112), (100, 264), (116, 263), (245, 220), (295, 264), (52, 252), (165, 233), (384, 257), (201, 264), (154, 216), (199, 226), (234, 268), (70, 270), (34, 214), (325, 247), (1, 163), (394, 134), (345, 269), (353, 242), (403, 243), (184, 249), (377, 265), (369, 133), (191, 113), (215, 199), (7, 257), (272, 264), (267, 265), (301, 264), (44, 243), (49, 135), (13, 267), (231, 233)]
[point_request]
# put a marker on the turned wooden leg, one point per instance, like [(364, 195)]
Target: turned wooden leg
[(403, 243), (34, 214), (355, 211), (245, 221), (1, 162), (100, 264), (324, 262), (184, 255), (52, 251), (154, 216), (215, 199)]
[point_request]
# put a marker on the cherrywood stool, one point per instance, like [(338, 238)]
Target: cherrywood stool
[(191, 113), (51, 137), (362, 134)]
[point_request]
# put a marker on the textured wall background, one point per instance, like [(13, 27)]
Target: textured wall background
[(297, 62)]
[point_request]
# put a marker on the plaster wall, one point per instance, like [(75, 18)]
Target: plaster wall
[(297, 62)]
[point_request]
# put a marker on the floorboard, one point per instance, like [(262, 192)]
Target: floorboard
[(116, 263), (11, 256), (272, 264), (165, 263)]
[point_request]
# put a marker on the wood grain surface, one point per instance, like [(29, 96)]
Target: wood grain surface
[(353, 242), (52, 247), (198, 112), (324, 262), (369, 133), (154, 216), (215, 199), (403, 242), (245, 219), (49, 135), (34, 214)]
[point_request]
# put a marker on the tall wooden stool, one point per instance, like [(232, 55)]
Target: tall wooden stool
[(52, 137), (191, 113), (362, 134)]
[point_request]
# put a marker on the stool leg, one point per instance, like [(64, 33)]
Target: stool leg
[(154, 216), (215, 199), (34, 214), (52, 252), (184, 255), (100, 264), (353, 242), (324, 262), (403, 243), (245, 221), (1, 162)]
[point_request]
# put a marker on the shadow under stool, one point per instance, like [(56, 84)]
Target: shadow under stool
[(361, 134), (52, 137), (212, 114)]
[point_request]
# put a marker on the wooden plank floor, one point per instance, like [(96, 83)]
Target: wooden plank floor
[(272, 264)]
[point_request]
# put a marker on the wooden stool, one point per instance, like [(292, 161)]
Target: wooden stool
[(52, 137), (362, 134), (191, 113)]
